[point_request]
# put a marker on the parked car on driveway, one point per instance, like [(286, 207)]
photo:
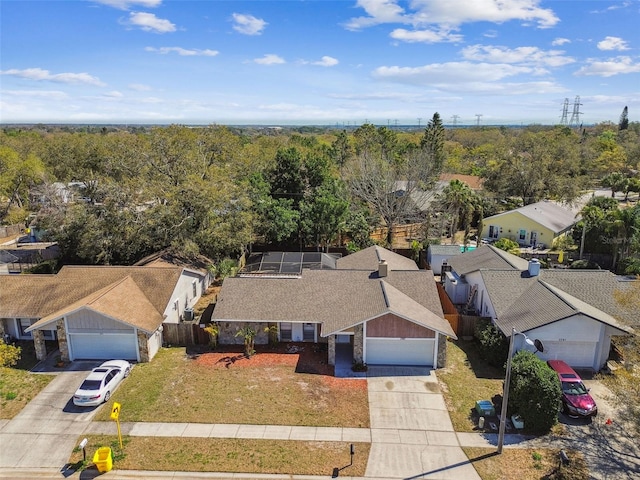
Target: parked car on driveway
[(101, 382), (576, 401)]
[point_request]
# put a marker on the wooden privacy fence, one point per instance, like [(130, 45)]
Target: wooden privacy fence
[(463, 325), (183, 334)]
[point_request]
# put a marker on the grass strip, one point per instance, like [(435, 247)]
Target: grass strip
[(229, 455), (17, 388)]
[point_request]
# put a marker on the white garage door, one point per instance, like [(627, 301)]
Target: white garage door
[(106, 346), (393, 351), (576, 354)]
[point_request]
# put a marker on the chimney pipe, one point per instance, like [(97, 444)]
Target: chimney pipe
[(382, 268)]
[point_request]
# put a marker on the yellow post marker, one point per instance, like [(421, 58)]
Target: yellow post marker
[(560, 256), (115, 415)]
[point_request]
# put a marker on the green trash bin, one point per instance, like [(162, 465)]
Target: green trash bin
[(103, 459)]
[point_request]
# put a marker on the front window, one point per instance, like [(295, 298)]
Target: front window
[(522, 235), (23, 324), (309, 331), (285, 331)]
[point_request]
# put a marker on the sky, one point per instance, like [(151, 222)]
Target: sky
[(319, 62)]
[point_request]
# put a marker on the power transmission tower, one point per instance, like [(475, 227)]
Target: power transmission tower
[(575, 116), (454, 119), (395, 122), (419, 121), (565, 112), (478, 117)]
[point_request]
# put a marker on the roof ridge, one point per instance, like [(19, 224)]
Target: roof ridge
[(384, 294)]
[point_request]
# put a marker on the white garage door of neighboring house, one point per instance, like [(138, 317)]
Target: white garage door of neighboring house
[(576, 354), (105, 346), (396, 351)]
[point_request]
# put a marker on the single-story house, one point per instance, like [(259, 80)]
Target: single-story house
[(437, 255), (572, 312), (376, 304), (99, 312), (534, 225)]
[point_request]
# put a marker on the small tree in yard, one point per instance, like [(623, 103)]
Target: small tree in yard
[(494, 346), (249, 335), (534, 392), (9, 354), (213, 330)]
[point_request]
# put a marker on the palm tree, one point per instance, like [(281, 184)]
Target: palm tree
[(591, 216), (456, 198)]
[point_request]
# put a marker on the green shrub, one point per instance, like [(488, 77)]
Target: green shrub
[(494, 346), (508, 246), (534, 392)]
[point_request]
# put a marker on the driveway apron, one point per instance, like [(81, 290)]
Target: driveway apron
[(411, 432), (46, 430)]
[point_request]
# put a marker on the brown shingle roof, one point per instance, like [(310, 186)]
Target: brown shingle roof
[(474, 182), (38, 296)]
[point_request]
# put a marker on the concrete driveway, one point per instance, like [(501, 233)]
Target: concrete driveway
[(411, 432), (45, 432)]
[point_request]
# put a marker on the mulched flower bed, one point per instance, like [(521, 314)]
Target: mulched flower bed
[(303, 357)]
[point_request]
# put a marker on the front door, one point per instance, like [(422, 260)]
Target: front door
[(534, 239), (297, 333)]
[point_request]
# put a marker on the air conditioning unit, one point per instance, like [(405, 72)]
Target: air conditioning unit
[(188, 314)]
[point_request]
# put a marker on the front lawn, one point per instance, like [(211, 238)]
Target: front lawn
[(18, 386), (230, 455), (264, 390), (465, 379)]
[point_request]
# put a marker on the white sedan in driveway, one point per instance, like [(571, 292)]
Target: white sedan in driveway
[(101, 382)]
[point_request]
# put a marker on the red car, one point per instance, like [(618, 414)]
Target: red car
[(576, 400)]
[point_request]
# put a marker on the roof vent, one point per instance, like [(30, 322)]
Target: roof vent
[(382, 268), (534, 267)]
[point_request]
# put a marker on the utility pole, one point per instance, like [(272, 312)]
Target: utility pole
[(565, 112), (454, 119), (478, 117), (419, 121), (575, 116)]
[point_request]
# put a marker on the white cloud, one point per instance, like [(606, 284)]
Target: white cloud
[(40, 74), (452, 12), (150, 23), (49, 94), (114, 94), (560, 41), (139, 87), (270, 59), (326, 61), (425, 36), (126, 4), (609, 68), (183, 51), (613, 43), (450, 73), (519, 55), (248, 24)]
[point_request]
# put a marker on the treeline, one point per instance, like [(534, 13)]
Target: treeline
[(114, 195)]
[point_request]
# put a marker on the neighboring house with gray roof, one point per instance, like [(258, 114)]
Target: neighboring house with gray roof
[(437, 255), (533, 225), (99, 312), (376, 305), (573, 312)]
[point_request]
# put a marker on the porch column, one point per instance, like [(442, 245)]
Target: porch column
[(143, 346), (331, 356), (63, 346), (441, 345), (40, 346), (358, 344)]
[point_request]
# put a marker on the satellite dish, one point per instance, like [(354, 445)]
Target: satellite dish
[(539, 346)]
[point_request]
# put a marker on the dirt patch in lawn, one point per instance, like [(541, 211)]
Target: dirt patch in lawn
[(230, 455)]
